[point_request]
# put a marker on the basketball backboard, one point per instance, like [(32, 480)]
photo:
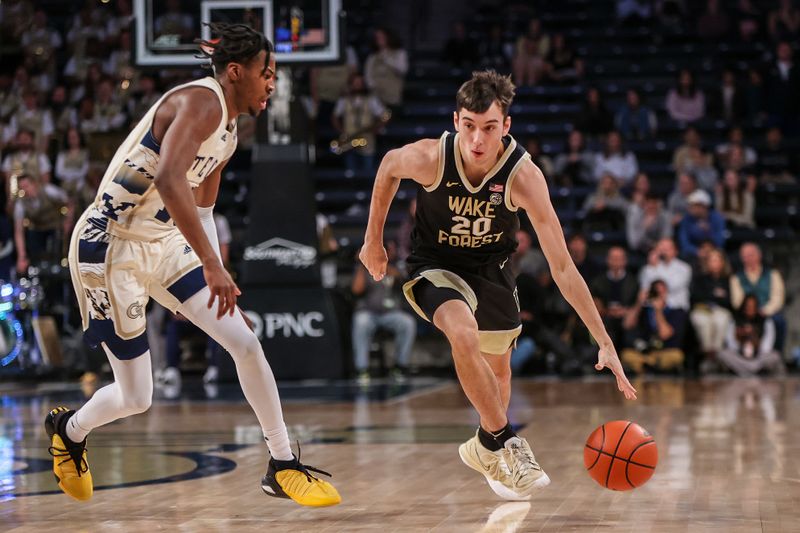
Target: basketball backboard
[(303, 31)]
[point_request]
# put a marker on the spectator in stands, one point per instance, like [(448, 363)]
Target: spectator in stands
[(686, 102), (748, 21), (530, 52), (30, 116), (494, 50), (615, 293), (750, 342), (119, 63), (563, 64), (120, 20), (38, 218), (385, 69), (647, 224), (604, 209), (576, 165), (86, 190), (359, 115), (92, 77), (711, 304), (175, 22), (783, 23), (64, 115), (634, 12), (144, 97), (9, 98), (107, 114), (702, 223), (777, 164), (736, 160), (594, 119), (379, 306), (654, 332), (754, 95), (329, 83), (671, 16), (783, 86), (527, 259), (640, 189), (585, 263), (534, 148), (544, 313), (634, 120), (663, 263), (765, 283), (72, 163), (678, 200), (616, 160), (27, 159), (729, 103), (692, 158), (736, 138), (714, 23), (736, 200), (40, 42), (458, 51)]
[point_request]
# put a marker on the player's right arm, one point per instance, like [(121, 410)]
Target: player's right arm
[(190, 117), (418, 161)]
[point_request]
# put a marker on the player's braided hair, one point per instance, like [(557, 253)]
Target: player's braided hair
[(234, 43)]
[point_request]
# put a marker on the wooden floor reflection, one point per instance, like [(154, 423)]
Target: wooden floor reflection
[(728, 451)]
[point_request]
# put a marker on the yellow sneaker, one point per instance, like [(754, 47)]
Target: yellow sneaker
[(69, 459), (492, 466), (285, 479)]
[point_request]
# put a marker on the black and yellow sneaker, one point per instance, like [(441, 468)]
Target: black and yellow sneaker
[(69, 458), (292, 479)]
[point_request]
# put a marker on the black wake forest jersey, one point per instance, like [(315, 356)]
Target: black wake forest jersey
[(465, 226)]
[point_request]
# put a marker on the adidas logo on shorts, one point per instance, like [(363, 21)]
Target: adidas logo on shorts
[(187, 249)]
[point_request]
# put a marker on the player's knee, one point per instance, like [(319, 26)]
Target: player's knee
[(138, 403), (503, 373), (247, 348), (464, 340)]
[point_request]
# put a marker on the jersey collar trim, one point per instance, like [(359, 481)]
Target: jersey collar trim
[(494, 170)]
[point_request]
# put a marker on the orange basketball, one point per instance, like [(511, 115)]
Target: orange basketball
[(620, 455)]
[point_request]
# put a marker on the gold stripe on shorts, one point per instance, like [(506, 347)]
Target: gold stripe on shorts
[(441, 279), (498, 342)]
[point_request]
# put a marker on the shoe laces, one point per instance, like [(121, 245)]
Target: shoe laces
[(306, 469), (71, 453), (523, 458)]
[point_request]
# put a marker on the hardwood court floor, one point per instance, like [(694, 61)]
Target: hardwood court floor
[(729, 461)]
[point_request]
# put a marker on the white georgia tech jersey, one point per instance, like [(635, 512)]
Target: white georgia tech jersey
[(127, 203)]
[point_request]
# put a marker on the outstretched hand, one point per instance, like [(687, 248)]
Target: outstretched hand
[(607, 358)]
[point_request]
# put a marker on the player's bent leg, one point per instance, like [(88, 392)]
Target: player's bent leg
[(131, 393), (501, 368), (454, 318), (286, 476)]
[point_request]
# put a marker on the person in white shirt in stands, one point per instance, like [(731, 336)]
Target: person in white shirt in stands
[(616, 160), (663, 263)]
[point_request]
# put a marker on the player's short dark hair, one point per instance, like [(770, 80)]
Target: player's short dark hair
[(232, 43), (483, 89)]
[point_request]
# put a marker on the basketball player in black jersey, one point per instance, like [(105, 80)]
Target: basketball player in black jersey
[(470, 186)]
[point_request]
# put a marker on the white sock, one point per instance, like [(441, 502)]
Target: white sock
[(255, 375)]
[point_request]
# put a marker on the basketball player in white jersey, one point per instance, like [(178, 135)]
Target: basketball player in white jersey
[(470, 186), (150, 233)]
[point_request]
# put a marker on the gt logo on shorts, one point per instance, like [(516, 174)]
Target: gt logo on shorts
[(135, 310)]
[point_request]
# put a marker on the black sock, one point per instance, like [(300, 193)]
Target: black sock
[(281, 465), (495, 440)]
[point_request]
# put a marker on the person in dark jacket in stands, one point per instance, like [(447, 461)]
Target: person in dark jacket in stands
[(615, 293), (702, 223), (594, 120), (711, 305)]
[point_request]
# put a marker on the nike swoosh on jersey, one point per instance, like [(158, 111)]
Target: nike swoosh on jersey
[(451, 184)]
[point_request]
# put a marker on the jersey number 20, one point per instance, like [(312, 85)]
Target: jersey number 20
[(465, 226)]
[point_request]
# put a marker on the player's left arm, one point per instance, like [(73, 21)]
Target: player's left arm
[(529, 191)]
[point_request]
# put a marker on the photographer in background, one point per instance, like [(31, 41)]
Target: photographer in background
[(654, 333)]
